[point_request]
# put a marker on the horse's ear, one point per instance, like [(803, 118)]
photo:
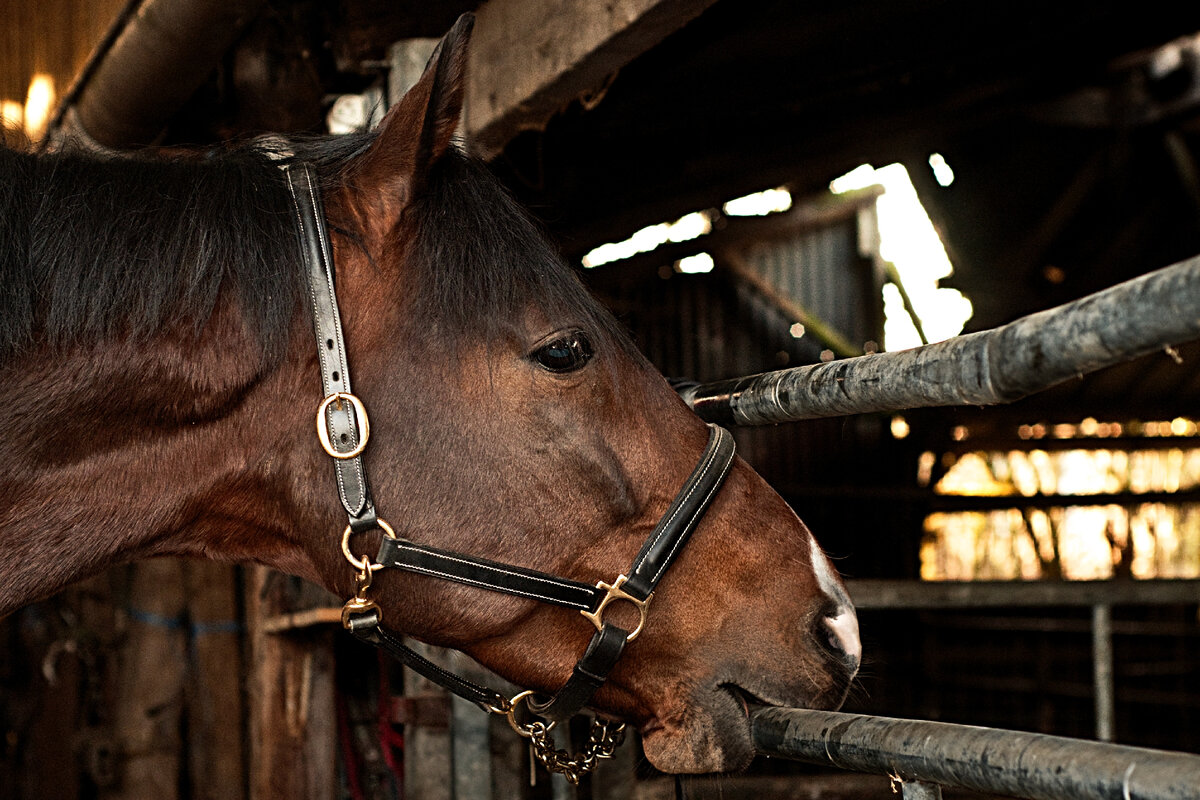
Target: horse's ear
[(418, 129)]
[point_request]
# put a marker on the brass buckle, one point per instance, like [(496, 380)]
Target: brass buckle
[(615, 592), (362, 564), (360, 411)]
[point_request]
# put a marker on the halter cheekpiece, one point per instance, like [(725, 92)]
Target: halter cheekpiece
[(343, 431)]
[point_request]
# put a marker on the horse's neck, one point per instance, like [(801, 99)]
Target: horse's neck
[(121, 452)]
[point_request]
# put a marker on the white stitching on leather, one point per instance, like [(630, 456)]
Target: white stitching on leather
[(698, 481), (507, 590), (356, 506)]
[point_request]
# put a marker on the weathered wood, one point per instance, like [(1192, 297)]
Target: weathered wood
[(529, 59), (308, 618), (889, 594), (214, 690), (150, 695), (471, 731), (1131, 319), (292, 719), (428, 756), (791, 308)]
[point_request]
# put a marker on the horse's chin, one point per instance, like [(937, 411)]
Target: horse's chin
[(711, 735)]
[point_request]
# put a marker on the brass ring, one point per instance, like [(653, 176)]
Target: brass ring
[(361, 563), (614, 593), (525, 731), (360, 411)]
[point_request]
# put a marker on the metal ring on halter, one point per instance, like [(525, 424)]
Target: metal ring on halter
[(361, 563), (525, 731), (360, 411), (613, 594)]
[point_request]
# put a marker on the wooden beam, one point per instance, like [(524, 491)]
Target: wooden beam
[(149, 707), (530, 58)]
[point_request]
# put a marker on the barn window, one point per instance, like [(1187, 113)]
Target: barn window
[(1070, 507)]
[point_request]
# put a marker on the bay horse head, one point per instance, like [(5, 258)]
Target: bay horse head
[(160, 380)]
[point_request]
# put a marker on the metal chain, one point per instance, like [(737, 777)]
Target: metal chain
[(603, 740)]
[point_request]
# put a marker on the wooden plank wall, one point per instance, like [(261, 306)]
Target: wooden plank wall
[(50, 37)]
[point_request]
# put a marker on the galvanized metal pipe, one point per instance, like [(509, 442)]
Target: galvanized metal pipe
[(1131, 319), (1011, 763), (1102, 673)]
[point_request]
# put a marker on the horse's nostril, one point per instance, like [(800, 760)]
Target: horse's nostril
[(840, 630)]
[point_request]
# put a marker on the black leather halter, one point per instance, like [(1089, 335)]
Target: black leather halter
[(343, 430)]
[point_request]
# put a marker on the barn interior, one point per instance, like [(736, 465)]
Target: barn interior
[(1014, 565)]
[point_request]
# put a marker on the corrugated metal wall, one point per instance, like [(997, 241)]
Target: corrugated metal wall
[(717, 325)]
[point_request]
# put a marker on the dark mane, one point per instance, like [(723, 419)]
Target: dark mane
[(93, 247)]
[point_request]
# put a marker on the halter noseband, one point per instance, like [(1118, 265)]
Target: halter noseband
[(343, 430)]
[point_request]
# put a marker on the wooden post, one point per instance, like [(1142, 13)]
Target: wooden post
[(428, 764), (150, 686), (214, 689), (919, 790), (292, 719), (1102, 669)]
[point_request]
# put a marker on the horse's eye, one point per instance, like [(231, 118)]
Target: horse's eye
[(565, 353)]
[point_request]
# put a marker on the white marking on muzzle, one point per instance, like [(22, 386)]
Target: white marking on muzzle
[(844, 623)]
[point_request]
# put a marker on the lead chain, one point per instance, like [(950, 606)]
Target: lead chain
[(603, 741)]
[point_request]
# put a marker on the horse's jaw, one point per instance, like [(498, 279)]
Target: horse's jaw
[(708, 732), (708, 729)]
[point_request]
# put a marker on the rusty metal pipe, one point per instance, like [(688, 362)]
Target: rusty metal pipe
[(165, 52)]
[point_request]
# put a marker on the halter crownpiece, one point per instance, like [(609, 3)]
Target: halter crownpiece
[(343, 430)]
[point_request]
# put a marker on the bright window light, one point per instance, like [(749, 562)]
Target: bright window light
[(692, 265), (12, 114), (687, 227), (759, 204), (858, 178), (908, 240), (38, 104), (942, 173), (690, 226)]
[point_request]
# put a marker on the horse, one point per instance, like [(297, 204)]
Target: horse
[(158, 380)]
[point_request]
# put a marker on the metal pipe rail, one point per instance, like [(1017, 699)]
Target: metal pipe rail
[(1026, 765), (1131, 319)]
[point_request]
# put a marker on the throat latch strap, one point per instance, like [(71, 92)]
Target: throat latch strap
[(484, 574)]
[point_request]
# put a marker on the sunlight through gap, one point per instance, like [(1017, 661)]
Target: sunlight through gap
[(909, 241)]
